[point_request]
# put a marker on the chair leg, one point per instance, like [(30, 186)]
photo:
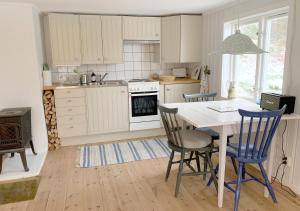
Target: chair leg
[(238, 187), (1, 160), (216, 172), (32, 148), (169, 165), (24, 161), (269, 186), (179, 173), (244, 172), (234, 165), (205, 166), (211, 168), (191, 157), (198, 161)]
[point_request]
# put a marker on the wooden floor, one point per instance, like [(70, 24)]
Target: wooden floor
[(134, 186)]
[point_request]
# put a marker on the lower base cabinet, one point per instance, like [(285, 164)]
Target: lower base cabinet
[(107, 109), (174, 92)]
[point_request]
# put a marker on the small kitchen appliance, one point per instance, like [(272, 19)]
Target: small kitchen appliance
[(272, 101), (179, 72), (143, 104)]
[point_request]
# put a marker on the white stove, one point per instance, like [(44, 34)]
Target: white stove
[(143, 104)]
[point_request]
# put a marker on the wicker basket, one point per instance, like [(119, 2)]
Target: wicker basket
[(167, 77)]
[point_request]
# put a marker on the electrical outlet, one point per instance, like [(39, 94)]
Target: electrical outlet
[(289, 161)]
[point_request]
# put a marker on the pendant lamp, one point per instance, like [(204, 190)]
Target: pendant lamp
[(239, 43)]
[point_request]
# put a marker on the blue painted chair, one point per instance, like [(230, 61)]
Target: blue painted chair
[(253, 147)]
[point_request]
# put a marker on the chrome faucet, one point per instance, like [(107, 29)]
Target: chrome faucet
[(102, 78)]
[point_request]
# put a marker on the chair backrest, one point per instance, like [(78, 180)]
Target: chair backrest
[(171, 126), (254, 146), (199, 97)]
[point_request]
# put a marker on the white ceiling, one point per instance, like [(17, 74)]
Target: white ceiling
[(134, 7)]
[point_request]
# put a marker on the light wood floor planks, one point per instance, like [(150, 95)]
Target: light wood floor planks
[(135, 186)]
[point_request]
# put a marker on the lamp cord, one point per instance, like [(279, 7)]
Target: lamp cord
[(284, 164)]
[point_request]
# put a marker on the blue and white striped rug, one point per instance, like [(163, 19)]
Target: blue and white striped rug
[(115, 153)]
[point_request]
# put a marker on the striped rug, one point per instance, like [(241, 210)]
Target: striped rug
[(115, 153)]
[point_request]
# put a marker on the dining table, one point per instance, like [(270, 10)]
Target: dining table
[(223, 117)]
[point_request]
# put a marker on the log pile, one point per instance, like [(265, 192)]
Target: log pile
[(50, 116)]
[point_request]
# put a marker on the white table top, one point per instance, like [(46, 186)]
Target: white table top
[(200, 115)]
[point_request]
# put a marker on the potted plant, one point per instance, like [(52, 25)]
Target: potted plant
[(47, 75)]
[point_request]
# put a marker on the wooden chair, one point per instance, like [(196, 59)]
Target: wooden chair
[(185, 141), (200, 97), (253, 148)]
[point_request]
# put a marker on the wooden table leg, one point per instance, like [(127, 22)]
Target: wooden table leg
[(222, 164)]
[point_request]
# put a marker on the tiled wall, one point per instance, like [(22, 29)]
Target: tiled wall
[(138, 63)]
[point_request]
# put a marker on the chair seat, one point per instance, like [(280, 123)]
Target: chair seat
[(194, 139), (209, 131)]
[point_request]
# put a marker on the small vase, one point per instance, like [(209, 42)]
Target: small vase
[(47, 78), (231, 90)]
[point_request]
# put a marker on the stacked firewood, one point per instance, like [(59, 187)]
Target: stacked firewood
[(50, 116)]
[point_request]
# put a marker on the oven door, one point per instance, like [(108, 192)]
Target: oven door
[(143, 107)]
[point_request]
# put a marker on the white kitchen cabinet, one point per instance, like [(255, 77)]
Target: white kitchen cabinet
[(70, 112), (112, 39), (141, 28), (174, 92), (91, 39), (181, 39), (107, 109), (62, 36), (170, 39)]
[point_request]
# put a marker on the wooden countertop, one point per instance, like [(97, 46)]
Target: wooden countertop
[(180, 81), (62, 86)]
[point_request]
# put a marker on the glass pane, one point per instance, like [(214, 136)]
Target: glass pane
[(274, 62), (245, 65), (144, 105)]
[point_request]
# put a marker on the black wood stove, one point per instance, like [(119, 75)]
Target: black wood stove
[(15, 133)]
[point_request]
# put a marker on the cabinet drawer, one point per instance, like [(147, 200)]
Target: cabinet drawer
[(70, 102), (72, 130), (70, 111), (69, 120), (66, 93)]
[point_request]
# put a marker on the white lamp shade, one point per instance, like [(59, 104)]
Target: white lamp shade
[(239, 43)]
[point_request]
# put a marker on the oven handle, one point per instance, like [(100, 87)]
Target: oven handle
[(144, 94)]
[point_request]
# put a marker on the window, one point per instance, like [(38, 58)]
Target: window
[(254, 74)]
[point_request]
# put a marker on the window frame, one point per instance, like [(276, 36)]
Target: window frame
[(262, 20)]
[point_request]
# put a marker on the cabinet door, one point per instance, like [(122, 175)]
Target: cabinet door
[(174, 92), (141, 28), (191, 37), (112, 39), (107, 109), (91, 39), (64, 37), (170, 39)]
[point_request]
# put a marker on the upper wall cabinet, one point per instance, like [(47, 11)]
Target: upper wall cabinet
[(91, 39), (62, 38), (112, 39), (141, 28), (181, 39)]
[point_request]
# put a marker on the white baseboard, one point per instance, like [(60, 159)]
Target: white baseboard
[(80, 140)]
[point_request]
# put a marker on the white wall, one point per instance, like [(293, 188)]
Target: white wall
[(21, 61), (213, 22)]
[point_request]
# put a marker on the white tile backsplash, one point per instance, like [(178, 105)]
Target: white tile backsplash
[(138, 63)]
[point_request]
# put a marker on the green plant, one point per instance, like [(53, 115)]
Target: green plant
[(45, 66)]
